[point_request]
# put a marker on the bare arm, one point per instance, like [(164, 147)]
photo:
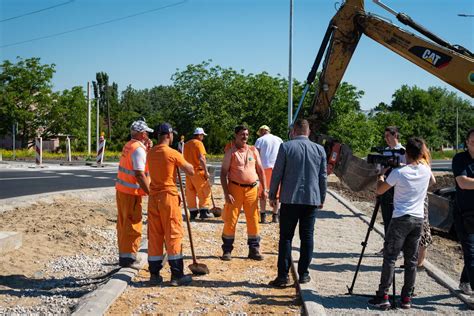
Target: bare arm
[(224, 170), (465, 183), (188, 169), (142, 181), (203, 163), (261, 175), (382, 186)]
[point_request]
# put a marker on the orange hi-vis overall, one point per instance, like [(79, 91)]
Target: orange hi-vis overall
[(242, 186), (165, 222), (197, 185), (129, 203)]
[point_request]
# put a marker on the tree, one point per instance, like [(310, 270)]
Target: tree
[(25, 96)]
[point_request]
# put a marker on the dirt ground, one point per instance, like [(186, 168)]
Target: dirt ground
[(445, 253), (239, 286), (64, 243)]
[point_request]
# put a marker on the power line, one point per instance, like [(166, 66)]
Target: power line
[(95, 25), (37, 11)]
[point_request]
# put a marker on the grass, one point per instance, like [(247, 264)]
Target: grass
[(25, 154)]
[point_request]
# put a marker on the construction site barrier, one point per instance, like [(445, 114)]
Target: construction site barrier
[(68, 150), (39, 151), (101, 151)]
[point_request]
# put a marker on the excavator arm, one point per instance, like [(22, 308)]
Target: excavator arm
[(452, 64)]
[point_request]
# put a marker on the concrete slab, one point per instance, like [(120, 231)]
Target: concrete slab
[(10, 241)]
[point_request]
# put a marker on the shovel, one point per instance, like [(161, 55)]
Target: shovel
[(217, 211), (196, 268)]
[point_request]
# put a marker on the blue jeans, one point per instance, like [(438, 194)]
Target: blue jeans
[(290, 214)]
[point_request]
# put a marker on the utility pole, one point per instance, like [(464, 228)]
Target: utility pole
[(14, 128), (88, 118), (457, 127), (290, 79), (97, 120)]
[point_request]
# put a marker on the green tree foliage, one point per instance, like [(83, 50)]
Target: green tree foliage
[(25, 96)]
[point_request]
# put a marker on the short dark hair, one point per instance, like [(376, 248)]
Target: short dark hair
[(469, 132), (414, 148), (301, 125), (240, 128), (393, 130)]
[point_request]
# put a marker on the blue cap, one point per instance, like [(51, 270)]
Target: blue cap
[(164, 128)]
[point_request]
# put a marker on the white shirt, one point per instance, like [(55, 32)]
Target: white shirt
[(268, 146), (403, 159), (139, 159), (411, 184)]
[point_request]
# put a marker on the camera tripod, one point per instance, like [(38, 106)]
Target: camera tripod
[(364, 245)]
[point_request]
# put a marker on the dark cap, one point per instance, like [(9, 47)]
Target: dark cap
[(164, 128)]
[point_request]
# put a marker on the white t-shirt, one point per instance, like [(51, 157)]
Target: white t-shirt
[(139, 159), (268, 146), (411, 184), (403, 159)]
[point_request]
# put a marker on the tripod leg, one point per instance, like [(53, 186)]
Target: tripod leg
[(364, 243), (394, 292)]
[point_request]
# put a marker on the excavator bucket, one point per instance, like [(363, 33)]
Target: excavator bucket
[(355, 172)]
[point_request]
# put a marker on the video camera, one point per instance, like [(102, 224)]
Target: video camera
[(386, 157)]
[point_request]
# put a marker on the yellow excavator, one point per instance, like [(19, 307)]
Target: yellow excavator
[(453, 64)]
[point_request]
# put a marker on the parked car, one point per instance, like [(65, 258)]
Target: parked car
[(441, 204)]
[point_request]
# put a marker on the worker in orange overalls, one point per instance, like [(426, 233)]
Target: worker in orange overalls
[(132, 183), (239, 173), (165, 222), (197, 186)]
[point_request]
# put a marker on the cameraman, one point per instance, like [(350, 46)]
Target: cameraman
[(410, 184), (392, 138)]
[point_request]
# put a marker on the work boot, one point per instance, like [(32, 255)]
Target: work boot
[(280, 282), (155, 279), (226, 256), (254, 254), (204, 213), (179, 281), (263, 216), (275, 218), (194, 214)]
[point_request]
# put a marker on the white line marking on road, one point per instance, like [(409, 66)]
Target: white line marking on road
[(29, 178), (83, 175), (65, 173), (103, 178)]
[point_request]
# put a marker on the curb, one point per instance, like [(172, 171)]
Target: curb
[(433, 271), (98, 301)]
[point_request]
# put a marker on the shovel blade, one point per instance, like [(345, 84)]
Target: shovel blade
[(217, 211), (198, 268)]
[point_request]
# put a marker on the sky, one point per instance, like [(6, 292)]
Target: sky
[(145, 50)]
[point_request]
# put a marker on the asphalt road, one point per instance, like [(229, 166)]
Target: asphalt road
[(24, 181)]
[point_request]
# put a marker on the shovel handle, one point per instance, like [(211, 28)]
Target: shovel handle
[(212, 195), (183, 198)]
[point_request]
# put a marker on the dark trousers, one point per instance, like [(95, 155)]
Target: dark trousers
[(467, 243), (290, 214), (386, 204), (404, 233)]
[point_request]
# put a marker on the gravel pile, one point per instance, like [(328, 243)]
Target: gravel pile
[(65, 279)]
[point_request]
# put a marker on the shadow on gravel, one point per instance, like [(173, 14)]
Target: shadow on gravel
[(259, 299), (329, 267), (331, 215), (206, 284)]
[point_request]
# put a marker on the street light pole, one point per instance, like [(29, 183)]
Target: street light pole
[(290, 79), (88, 118)]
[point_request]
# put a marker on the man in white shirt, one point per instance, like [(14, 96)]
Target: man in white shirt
[(392, 138), (411, 185), (267, 145)]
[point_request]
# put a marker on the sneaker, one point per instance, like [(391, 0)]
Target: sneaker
[(155, 279), (193, 214), (226, 256), (405, 302), (204, 213), (280, 282), (254, 254), (381, 302), (465, 287), (275, 218), (184, 280), (304, 279)]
